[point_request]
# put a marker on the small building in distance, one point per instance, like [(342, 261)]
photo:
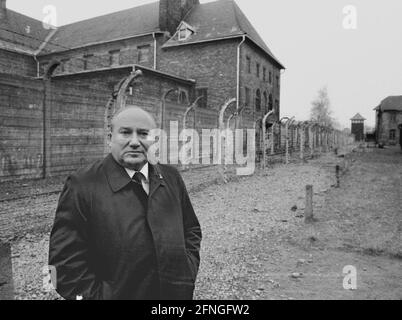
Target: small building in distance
[(358, 127), (389, 121)]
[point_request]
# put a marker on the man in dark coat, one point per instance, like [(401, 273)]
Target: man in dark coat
[(125, 229)]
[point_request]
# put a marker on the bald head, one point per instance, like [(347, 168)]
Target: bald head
[(135, 113), (130, 141)]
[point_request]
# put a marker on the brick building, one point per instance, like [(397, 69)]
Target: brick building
[(389, 121), (64, 76), (212, 43)]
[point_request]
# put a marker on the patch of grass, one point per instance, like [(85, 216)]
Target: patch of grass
[(373, 251)]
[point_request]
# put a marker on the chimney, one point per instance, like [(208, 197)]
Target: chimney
[(3, 9), (172, 12)]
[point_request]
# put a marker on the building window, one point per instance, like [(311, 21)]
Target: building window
[(270, 103), (248, 60), (203, 92), (143, 53), (185, 31), (44, 66), (114, 57), (63, 65), (264, 74), (270, 77), (393, 117), (277, 82), (258, 100), (182, 98), (247, 96), (87, 57), (277, 107), (265, 102), (258, 70), (392, 134)]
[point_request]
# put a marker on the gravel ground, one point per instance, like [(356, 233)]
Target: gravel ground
[(256, 244)]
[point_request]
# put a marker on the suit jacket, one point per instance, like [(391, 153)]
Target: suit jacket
[(105, 245)]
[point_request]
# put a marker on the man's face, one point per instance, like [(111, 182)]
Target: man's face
[(130, 138)]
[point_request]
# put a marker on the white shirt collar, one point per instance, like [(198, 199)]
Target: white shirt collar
[(144, 171)]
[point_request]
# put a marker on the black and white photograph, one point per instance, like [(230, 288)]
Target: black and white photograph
[(223, 151)]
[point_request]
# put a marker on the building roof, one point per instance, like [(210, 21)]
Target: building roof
[(212, 21), (118, 25), (131, 67), (358, 117), (391, 103), (21, 33), (219, 20)]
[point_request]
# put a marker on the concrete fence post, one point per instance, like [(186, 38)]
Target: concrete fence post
[(302, 133), (6, 274), (337, 172), (264, 138), (308, 213), (221, 127)]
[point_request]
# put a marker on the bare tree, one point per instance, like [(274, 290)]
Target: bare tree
[(321, 109)]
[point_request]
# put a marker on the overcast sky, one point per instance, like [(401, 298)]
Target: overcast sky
[(359, 66)]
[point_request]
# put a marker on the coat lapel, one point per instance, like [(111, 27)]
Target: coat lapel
[(115, 173), (156, 179)]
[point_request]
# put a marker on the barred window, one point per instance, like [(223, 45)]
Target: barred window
[(247, 96), (63, 65), (258, 100), (114, 58), (270, 103), (248, 61), (87, 58), (265, 102), (203, 92), (143, 53)]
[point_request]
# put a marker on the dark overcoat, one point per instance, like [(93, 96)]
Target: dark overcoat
[(106, 244)]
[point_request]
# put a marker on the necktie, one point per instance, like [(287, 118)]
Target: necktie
[(139, 189), (138, 179)]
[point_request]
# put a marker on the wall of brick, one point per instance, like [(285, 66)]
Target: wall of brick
[(212, 65), (21, 127), (387, 124), (16, 63), (75, 107), (98, 56), (254, 82), (78, 111)]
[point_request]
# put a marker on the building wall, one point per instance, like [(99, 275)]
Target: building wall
[(99, 56), (212, 65), (75, 106), (21, 127), (387, 124), (254, 82), (79, 103), (17, 63)]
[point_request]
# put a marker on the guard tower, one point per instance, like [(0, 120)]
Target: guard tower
[(358, 127)]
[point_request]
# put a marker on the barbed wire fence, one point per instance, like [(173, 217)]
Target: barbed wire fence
[(274, 140)]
